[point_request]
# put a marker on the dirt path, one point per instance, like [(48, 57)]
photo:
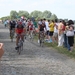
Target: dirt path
[(33, 60)]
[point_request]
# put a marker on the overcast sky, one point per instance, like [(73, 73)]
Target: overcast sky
[(62, 8)]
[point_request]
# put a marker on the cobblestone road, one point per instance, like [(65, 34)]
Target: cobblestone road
[(33, 60)]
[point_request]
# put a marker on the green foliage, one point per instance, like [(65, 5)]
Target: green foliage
[(46, 14), (61, 50), (66, 20), (74, 21), (36, 14), (53, 17), (5, 18), (23, 13), (13, 14)]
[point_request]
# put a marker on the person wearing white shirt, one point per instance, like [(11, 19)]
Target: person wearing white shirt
[(47, 29), (55, 34)]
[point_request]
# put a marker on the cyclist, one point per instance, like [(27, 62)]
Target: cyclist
[(20, 30), (12, 25), (24, 24), (41, 28), (30, 27), (5, 23)]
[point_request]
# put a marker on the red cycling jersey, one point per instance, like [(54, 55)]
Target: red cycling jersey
[(30, 26), (19, 29)]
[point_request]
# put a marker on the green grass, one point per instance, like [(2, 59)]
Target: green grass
[(58, 49), (36, 37), (61, 49)]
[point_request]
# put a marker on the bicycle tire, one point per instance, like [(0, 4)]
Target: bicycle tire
[(11, 36), (31, 36), (19, 50), (41, 43)]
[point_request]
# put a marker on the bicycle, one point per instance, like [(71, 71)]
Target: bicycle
[(20, 46), (41, 38), (31, 36), (12, 34)]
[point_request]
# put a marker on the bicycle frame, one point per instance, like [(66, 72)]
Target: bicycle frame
[(42, 38), (31, 35), (12, 34), (20, 46)]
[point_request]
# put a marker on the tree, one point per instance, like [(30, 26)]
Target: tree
[(74, 21), (36, 14), (13, 14), (23, 13), (53, 17), (66, 20), (5, 18), (46, 14)]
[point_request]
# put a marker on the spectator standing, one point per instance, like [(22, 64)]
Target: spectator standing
[(47, 30), (51, 31), (70, 35), (55, 34), (60, 34)]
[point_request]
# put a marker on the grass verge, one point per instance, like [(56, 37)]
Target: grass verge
[(61, 49), (58, 49)]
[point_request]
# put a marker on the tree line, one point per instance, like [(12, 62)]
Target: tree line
[(36, 14)]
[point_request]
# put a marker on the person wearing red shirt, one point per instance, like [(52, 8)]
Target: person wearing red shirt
[(20, 30)]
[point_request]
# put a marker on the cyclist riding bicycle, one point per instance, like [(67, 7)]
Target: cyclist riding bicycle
[(41, 28), (20, 30), (30, 27), (12, 26)]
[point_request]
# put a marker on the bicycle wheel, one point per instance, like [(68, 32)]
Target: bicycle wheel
[(31, 36), (41, 39), (20, 46), (42, 42), (12, 35), (19, 50)]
